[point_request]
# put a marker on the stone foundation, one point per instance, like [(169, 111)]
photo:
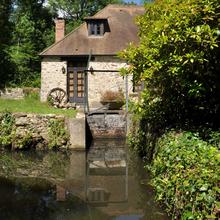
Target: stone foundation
[(12, 93), (33, 131), (107, 125), (17, 93)]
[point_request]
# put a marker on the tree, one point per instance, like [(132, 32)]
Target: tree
[(5, 27), (32, 22), (179, 61), (34, 30), (75, 10)]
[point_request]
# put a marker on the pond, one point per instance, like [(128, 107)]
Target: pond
[(105, 183)]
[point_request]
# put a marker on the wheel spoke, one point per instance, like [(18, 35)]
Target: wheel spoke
[(57, 96)]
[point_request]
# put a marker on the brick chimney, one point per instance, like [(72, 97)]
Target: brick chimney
[(59, 29)]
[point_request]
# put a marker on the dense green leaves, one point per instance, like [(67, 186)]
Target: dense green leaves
[(58, 135), (5, 36), (74, 11), (179, 60), (28, 28), (6, 128), (32, 22), (186, 176), (77, 9)]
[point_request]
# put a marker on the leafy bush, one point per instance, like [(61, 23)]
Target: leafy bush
[(186, 176), (22, 141), (214, 138), (58, 135), (6, 128), (178, 59)]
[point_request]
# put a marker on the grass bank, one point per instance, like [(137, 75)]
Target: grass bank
[(32, 104)]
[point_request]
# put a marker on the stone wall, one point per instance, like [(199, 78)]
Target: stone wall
[(100, 82), (33, 130), (12, 93), (52, 75), (17, 93), (107, 125)]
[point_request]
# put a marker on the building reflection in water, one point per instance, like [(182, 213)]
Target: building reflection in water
[(107, 180), (107, 173)]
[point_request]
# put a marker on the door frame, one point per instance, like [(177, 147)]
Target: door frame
[(75, 71)]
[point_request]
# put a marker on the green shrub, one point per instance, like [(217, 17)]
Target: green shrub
[(214, 138), (58, 135), (7, 121), (186, 176), (22, 141), (178, 62)]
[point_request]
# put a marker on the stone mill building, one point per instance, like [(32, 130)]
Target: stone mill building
[(92, 46)]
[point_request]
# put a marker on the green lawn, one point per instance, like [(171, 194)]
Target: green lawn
[(32, 104)]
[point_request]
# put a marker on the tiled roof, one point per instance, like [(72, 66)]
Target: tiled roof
[(123, 30)]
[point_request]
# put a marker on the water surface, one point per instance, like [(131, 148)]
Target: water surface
[(105, 183)]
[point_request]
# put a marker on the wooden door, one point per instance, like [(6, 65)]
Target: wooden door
[(75, 81)]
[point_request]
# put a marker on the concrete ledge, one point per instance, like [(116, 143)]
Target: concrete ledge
[(104, 125), (76, 128)]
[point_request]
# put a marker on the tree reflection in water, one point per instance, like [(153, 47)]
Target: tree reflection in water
[(102, 183)]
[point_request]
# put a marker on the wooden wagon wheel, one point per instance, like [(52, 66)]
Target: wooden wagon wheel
[(57, 96)]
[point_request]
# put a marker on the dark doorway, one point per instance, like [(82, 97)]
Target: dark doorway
[(75, 80)]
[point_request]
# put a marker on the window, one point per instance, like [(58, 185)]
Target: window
[(96, 28)]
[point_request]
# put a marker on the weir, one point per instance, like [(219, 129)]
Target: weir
[(104, 124), (107, 124), (99, 122)]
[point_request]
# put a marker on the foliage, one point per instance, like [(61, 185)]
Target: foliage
[(5, 26), (214, 138), (74, 11), (23, 52), (22, 141), (8, 133), (178, 59), (186, 176), (32, 22), (78, 9), (209, 135), (6, 128), (58, 135)]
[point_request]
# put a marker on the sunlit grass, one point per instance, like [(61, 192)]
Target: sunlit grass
[(32, 104)]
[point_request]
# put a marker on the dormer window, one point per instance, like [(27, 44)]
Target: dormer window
[(96, 26)]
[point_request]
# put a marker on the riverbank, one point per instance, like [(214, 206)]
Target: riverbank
[(186, 175)]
